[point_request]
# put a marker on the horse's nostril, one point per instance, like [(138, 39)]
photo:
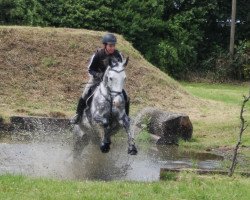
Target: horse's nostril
[(116, 103)]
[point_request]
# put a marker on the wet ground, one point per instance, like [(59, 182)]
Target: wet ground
[(55, 155)]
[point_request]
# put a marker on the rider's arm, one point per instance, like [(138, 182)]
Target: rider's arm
[(93, 65)]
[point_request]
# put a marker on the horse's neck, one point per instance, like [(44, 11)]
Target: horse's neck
[(104, 90)]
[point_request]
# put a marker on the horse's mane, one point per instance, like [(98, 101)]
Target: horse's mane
[(111, 60)]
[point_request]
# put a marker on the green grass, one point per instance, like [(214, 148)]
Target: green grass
[(182, 186), (226, 93), (224, 131), (220, 134), (49, 62), (143, 137)]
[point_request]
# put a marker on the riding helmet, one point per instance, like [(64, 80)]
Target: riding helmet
[(109, 38)]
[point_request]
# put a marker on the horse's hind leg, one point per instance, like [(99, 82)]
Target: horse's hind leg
[(106, 141), (132, 150)]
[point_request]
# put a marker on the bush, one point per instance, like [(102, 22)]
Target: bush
[(222, 67), (241, 61)]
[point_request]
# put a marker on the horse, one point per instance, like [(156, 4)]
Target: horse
[(107, 107)]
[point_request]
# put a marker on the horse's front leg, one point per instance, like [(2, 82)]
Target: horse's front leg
[(106, 141), (81, 139), (132, 150)]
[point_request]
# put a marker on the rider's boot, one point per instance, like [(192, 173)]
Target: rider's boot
[(127, 104), (79, 112)]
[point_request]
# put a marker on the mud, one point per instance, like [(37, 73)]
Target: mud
[(56, 155)]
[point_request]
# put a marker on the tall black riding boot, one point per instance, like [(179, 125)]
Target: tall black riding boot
[(127, 101), (127, 104), (79, 111)]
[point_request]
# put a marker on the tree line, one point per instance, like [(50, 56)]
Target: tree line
[(181, 37)]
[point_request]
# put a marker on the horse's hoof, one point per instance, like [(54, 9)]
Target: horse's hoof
[(105, 147), (132, 150)]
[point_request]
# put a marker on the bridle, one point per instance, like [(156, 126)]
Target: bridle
[(111, 93)]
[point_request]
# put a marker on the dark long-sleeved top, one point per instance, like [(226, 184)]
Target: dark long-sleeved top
[(97, 62)]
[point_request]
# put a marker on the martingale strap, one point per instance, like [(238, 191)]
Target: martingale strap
[(115, 92), (117, 71), (110, 92)]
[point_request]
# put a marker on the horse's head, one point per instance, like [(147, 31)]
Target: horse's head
[(114, 77)]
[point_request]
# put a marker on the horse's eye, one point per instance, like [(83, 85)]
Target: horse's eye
[(110, 78)]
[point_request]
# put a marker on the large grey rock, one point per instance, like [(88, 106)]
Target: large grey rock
[(169, 127)]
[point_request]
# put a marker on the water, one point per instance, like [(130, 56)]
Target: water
[(56, 155)]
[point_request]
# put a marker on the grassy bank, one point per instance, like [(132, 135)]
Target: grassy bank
[(221, 128), (43, 71), (184, 186), (219, 132)]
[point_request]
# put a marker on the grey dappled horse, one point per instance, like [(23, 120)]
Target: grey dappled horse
[(107, 107)]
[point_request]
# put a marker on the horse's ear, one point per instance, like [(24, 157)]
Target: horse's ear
[(126, 62)]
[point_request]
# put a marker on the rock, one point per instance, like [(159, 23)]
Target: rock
[(168, 126)]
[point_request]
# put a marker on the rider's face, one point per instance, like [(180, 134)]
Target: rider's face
[(110, 48)]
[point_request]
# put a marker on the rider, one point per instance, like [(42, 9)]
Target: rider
[(97, 69)]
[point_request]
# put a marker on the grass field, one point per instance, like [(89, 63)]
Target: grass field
[(42, 70), (224, 130), (185, 186), (226, 93), (221, 135)]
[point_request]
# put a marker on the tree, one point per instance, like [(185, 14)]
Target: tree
[(232, 33), (242, 129), (6, 7)]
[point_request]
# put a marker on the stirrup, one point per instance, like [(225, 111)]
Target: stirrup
[(76, 119)]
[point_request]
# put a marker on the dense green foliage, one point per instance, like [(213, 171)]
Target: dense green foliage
[(179, 37)]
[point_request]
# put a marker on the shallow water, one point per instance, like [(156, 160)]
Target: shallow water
[(56, 155)]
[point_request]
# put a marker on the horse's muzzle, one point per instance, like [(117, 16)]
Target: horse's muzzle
[(116, 104)]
